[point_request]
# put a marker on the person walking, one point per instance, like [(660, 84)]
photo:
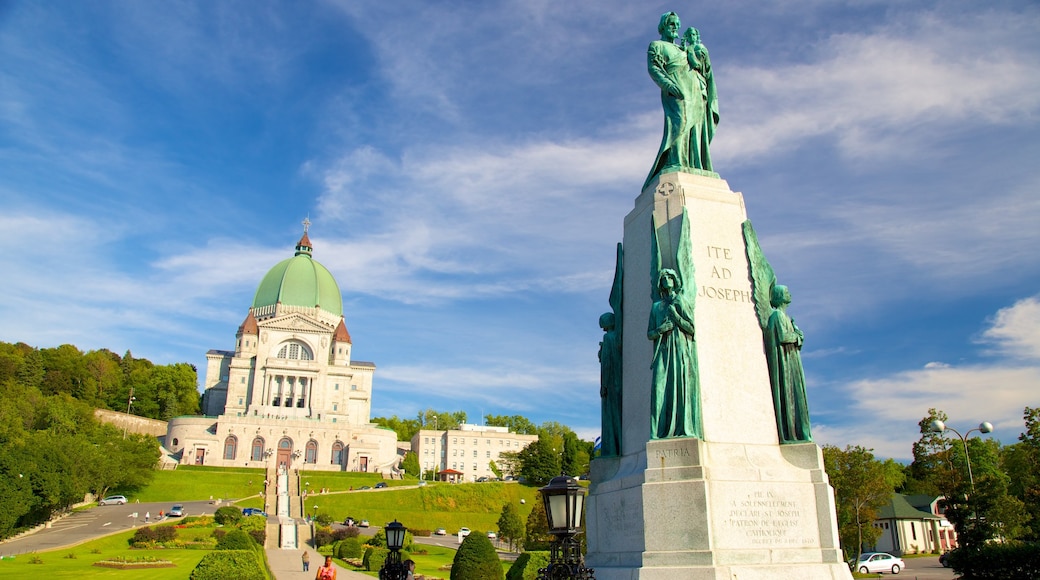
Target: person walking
[(326, 572), (306, 557), (147, 517)]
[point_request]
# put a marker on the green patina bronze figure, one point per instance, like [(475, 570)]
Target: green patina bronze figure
[(783, 343), (610, 368), (688, 97), (675, 397)]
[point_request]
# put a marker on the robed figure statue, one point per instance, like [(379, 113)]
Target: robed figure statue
[(782, 341), (688, 97), (610, 369), (675, 395)]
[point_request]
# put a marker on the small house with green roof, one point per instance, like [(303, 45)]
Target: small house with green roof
[(913, 524)]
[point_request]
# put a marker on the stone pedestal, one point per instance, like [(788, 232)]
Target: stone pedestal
[(736, 504)]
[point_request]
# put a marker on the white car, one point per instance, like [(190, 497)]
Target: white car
[(463, 532), (492, 536), (879, 562), (113, 500), (440, 532)]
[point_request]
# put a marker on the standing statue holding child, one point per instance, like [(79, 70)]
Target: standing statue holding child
[(688, 97)]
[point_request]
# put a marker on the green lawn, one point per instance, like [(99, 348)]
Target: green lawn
[(188, 483), (435, 563), (473, 505), (57, 564)]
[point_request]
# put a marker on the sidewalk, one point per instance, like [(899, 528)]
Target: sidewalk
[(286, 565)]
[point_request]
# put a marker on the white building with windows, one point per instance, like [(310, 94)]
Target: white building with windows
[(290, 393), (469, 450)]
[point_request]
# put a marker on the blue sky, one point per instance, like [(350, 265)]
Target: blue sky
[(467, 167)]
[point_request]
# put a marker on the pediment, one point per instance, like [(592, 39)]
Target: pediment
[(296, 322)]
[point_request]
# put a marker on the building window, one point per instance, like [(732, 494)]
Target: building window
[(337, 387), (913, 530), (312, 452), (230, 447), (337, 453), (335, 406), (353, 387), (240, 400), (474, 453), (454, 452), (174, 441), (258, 450), (489, 454), (242, 379), (295, 350)]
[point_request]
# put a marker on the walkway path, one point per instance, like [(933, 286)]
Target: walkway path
[(286, 565)]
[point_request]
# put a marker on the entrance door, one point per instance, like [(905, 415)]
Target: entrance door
[(200, 456), (364, 463), (284, 453)]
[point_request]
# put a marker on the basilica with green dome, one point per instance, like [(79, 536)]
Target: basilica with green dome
[(289, 394)]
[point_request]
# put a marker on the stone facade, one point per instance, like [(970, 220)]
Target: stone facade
[(289, 394), (470, 449)]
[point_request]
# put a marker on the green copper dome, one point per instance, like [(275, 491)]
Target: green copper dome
[(300, 281)]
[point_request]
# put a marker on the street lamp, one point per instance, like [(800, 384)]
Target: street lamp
[(939, 427), (393, 568), (315, 516), (564, 504)]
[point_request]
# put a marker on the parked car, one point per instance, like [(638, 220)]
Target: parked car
[(944, 559), (421, 484), (113, 500), (481, 479), (381, 485), (440, 532), (253, 512), (463, 532), (492, 536), (879, 562), (176, 511), (349, 522), (365, 487), (363, 524)]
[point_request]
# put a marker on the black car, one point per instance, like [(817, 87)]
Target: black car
[(381, 485), (944, 560)]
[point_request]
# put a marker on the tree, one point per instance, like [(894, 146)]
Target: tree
[(537, 537), (515, 423), (539, 461), (476, 560), (862, 485), (410, 464), (510, 525)]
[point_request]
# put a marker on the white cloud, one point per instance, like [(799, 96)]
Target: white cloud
[(885, 410), (876, 93)]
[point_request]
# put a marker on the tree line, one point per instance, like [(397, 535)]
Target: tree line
[(998, 500), (101, 378), (55, 451)]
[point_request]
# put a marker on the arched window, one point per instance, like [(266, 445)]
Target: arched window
[(258, 450), (295, 350), (230, 447), (312, 452), (337, 453), (285, 443)]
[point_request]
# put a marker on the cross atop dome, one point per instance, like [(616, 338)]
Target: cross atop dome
[(306, 224), (304, 246)]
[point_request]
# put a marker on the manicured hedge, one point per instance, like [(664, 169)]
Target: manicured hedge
[(527, 565), (236, 540), (997, 561), (476, 560), (222, 565), (349, 548)]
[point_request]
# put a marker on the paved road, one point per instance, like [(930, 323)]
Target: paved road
[(100, 521), (927, 568)]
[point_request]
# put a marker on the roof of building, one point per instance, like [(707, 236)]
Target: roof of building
[(300, 281), (249, 325), (221, 352), (341, 334), (363, 364), (900, 509)]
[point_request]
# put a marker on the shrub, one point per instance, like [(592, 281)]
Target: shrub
[(165, 534), (344, 533), (996, 561), (143, 537), (219, 534), (349, 548), (527, 565), (227, 515), (420, 533), (324, 519), (476, 560), (236, 540), (238, 564), (322, 537), (256, 527), (377, 558)]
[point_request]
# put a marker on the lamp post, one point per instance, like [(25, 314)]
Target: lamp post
[(564, 504), (314, 515), (129, 402), (393, 568), (939, 427)]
